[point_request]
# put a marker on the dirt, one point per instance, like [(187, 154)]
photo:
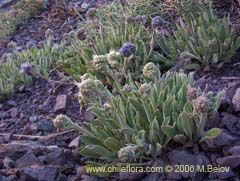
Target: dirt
[(31, 108)]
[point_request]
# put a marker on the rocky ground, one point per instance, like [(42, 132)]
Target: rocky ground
[(30, 148)]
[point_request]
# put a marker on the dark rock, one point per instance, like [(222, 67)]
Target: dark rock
[(33, 118), (46, 173), (228, 121), (152, 177), (8, 163), (26, 160), (230, 161), (42, 159), (11, 103), (236, 100), (225, 175), (61, 104), (203, 161), (4, 115), (182, 157), (21, 89), (30, 44), (234, 150), (30, 129), (13, 112), (224, 139), (212, 175), (56, 157), (130, 175), (174, 176), (62, 178), (10, 178), (45, 125), (75, 143), (224, 103)]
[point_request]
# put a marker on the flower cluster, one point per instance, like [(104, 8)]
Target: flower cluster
[(127, 154), (202, 104), (127, 88), (89, 90), (100, 63), (128, 49), (157, 22), (61, 121), (193, 93), (150, 71), (113, 59), (27, 69)]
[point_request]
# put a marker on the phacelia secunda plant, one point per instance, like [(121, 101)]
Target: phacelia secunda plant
[(142, 122)]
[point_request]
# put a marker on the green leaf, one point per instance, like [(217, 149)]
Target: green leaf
[(139, 108), (170, 131), (187, 124), (212, 133), (192, 66), (89, 152), (112, 144), (91, 140)]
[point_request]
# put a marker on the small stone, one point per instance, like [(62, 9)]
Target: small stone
[(61, 104), (30, 129), (8, 163), (30, 44), (28, 159), (236, 100), (56, 157), (21, 89), (229, 121), (85, 5), (12, 103), (42, 159), (224, 139), (46, 173), (75, 143), (45, 125), (33, 118), (229, 161), (234, 150), (13, 112)]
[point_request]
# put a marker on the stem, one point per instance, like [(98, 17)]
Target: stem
[(201, 125), (39, 137), (125, 67), (52, 81), (151, 45)]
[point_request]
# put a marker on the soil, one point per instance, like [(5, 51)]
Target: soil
[(31, 108)]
